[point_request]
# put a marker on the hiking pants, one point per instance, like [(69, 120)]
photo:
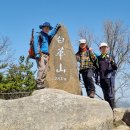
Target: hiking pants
[(87, 76), (42, 66), (107, 86)]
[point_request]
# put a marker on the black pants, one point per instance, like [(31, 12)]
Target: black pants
[(87, 76), (107, 86)]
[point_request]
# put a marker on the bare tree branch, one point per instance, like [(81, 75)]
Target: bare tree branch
[(86, 34), (6, 53)]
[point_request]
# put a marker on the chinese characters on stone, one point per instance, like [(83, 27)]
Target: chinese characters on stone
[(60, 54)]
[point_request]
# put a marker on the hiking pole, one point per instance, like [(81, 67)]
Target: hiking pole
[(95, 92), (32, 37), (99, 96)]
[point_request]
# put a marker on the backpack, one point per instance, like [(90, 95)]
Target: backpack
[(31, 49)]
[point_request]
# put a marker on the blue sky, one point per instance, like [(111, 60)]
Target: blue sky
[(18, 17)]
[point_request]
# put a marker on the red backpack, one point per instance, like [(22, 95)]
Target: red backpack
[(31, 49)]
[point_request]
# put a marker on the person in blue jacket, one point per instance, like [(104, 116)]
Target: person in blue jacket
[(41, 49), (106, 71)]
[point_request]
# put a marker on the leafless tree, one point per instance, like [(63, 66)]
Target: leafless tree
[(6, 53), (118, 38), (86, 34)]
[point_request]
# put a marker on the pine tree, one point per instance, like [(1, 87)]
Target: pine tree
[(19, 78)]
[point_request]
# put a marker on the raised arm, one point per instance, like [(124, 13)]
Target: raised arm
[(54, 31)]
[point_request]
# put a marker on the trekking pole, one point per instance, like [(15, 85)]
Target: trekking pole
[(32, 37), (99, 96), (95, 92)]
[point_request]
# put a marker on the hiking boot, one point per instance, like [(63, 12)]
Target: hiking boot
[(92, 94), (40, 86)]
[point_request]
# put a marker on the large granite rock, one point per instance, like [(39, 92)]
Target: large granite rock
[(122, 127), (52, 109), (121, 119), (126, 117), (62, 72), (118, 114)]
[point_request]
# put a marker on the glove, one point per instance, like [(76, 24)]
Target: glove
[(91, 50), (111, 60), (114, 65), (57, 26)]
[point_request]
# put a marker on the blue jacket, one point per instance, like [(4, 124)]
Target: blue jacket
[(44, 47)]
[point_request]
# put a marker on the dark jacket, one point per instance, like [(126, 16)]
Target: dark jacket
[(107, 66)]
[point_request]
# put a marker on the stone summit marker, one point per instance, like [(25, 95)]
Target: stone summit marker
[(62, 71)]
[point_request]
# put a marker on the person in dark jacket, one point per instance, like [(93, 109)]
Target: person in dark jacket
[(106, 72), (86, 58), (42, 51)]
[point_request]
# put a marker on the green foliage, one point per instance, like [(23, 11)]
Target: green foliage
[(19, 78), (2, 66)]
